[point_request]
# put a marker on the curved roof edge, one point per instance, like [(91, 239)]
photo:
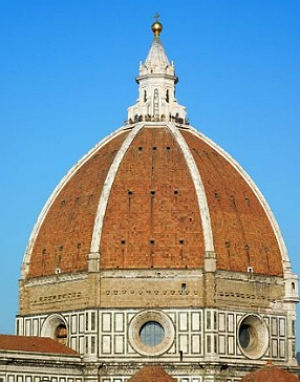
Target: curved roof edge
[(195, 175), (286, 265), (56, 191)]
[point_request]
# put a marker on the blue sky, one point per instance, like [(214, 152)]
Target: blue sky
[(67, 72)]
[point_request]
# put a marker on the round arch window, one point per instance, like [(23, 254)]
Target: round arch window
[(55, 327), (151, 333), (253, 336)]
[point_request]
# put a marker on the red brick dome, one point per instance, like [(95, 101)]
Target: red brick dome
[(155, 195), (270, 373)]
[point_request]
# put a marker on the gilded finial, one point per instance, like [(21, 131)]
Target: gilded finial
[(156, 26)]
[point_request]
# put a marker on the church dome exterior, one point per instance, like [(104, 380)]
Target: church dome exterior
[(158, 248), (156, 195)]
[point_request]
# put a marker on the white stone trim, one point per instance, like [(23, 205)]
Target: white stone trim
[(189, 323), (137, 323), (104, 197), (56, 279), (284, 254), (258, 333), (199, 187), (51, 199), (156, 74)]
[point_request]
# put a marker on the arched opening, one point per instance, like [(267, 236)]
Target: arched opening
[(293, 286), (155, 103), (55, 327)]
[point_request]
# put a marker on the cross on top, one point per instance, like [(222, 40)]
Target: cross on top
[(156, 16)]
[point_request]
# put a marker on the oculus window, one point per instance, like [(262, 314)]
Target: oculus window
[(152, 333), (253, 336)]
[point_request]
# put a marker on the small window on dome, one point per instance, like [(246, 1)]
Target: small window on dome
[(217, 196)]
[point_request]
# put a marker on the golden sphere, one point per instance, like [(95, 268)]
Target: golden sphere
[(156, 28)]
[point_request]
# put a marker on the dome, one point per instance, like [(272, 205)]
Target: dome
[(156, 195), (157, 248), (270, 373), (152, 374)]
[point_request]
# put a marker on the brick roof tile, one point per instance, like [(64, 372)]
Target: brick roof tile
[(33, 345), (270, 373), (152, 374)]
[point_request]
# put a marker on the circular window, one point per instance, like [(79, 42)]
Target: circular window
[(253, 336), (151, 333)]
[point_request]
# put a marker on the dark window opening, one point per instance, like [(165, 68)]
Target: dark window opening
[(167, 96), (61, 334)]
